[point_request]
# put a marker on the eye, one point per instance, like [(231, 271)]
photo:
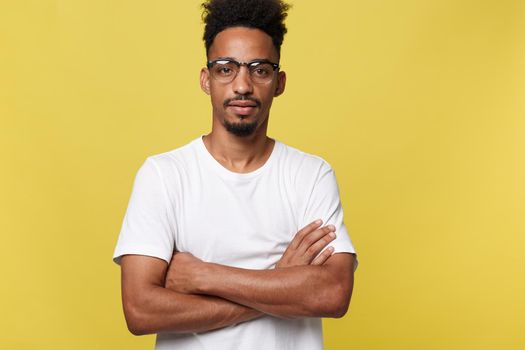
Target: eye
[(224, 69), (261, 70)]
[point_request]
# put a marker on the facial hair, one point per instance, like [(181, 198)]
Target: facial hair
[(240, 129)]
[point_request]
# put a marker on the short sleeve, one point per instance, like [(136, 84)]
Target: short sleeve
[(324, 203), (147, 228)]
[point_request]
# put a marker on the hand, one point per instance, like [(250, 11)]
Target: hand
[(182, 273), (306, 244)]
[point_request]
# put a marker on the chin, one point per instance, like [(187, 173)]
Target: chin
[(241, 129)]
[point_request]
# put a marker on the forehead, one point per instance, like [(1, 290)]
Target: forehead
[(243, 44)]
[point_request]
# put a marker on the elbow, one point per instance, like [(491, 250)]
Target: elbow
[(340, 309), (136, 329), (337, 307), (335, 302), (135, 320)]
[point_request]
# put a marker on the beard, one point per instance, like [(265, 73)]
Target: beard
[(240, 129)]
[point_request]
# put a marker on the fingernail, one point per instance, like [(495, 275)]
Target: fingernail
[(332, 227), (318, 221), (331, 234)]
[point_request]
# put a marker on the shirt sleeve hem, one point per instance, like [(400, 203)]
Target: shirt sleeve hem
[(146, 251)]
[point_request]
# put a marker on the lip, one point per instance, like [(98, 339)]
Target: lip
[(242, 104), (242, 110)]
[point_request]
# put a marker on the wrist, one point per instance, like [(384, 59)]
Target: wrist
[(203, 277)]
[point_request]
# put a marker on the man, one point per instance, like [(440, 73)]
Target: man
[(210, 248)]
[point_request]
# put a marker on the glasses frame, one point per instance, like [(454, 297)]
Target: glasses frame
[(248, 65)]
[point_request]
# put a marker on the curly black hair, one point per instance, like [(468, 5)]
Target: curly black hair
[(266, 15)]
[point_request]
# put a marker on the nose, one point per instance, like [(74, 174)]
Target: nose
[(242, 84)]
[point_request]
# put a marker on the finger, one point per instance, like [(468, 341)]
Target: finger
[(321, 258), (313, 237), (299, 236), (318, 246)]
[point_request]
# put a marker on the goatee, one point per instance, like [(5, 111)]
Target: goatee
[(240, 129)]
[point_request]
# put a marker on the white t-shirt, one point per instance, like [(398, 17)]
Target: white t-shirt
[(185, 200)]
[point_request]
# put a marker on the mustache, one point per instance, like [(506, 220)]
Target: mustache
[(241, 98)]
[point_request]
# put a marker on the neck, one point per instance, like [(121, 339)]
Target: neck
[(239, 154)]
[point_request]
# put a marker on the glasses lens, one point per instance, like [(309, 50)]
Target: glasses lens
[(261, 72), (224, 71)]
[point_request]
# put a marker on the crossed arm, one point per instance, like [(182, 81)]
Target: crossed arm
[(190, 295)]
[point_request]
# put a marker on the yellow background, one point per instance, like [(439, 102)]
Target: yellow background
[(418, 105)]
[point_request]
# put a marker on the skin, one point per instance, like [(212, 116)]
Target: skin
[(241, 154), (190, 295), (156, 300)]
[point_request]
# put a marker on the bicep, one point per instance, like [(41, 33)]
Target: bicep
[(139, 273), (148, 227), (323, 202), (341, 267)]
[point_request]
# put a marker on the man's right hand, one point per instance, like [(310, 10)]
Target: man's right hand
[(306, 245)]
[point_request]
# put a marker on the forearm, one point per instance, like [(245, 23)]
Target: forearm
[(311, 291), (162, 310), (150, 306), (301, 285)]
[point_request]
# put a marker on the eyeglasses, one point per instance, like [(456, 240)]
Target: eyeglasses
[(225, 70)]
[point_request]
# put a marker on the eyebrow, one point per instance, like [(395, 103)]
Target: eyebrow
[(234, 59), (225, 58)]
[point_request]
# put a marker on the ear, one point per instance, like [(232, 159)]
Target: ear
[(281, 84), (205, 80)]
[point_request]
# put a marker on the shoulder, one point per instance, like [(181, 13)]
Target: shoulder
[(174, 161), (302, 163)]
